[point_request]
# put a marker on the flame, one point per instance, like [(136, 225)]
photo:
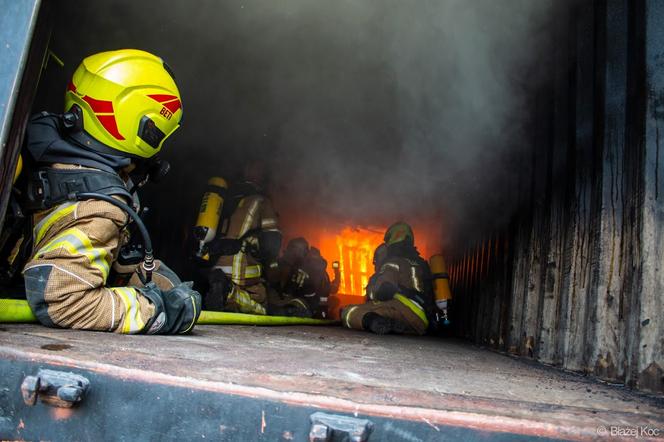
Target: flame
[(353, 248)]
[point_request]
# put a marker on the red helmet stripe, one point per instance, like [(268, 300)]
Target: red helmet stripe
[(170, 102), (71, 87), (162, 97), (173, 106), (109, 123), (99, 106)]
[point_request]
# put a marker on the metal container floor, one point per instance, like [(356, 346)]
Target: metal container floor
[(445, 381)]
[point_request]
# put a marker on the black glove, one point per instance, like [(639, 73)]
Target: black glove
[(176, 310)]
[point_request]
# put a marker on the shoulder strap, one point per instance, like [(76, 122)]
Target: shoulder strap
[(48, 187)]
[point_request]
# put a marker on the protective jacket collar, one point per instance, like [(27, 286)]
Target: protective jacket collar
[(47, 142)]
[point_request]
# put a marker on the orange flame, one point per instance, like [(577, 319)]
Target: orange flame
[(353, 248)]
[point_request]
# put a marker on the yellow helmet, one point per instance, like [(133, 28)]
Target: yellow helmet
[(399, 232), (128, 101)]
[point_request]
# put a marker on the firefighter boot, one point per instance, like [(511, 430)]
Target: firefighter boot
[(382, 325)]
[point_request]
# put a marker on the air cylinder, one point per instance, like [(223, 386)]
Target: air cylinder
[(209, 214), (441, 283)]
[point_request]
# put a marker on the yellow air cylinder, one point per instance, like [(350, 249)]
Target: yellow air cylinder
[(441, 285), (441, 279), (210, 213)]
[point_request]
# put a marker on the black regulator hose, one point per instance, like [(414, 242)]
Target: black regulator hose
[(148, 260)]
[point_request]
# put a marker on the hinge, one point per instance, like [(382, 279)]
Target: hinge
[(57, 388), (337, 428)]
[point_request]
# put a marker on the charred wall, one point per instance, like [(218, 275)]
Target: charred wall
[(574, 279)]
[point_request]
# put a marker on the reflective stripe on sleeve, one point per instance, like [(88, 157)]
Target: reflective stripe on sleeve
[(132, 322), (56, 215), (414, 306)]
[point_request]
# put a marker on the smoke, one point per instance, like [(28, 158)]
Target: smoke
[(405, 110), (367, 112)]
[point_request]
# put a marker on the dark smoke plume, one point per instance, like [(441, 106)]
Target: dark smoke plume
[(367, 111)]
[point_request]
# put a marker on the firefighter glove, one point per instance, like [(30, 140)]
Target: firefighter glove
[(176, 310)]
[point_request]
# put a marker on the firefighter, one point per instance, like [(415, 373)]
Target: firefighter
[(316, 267), (120, 107), (293, 289), (237, 281), (399, 297), (378, 258)]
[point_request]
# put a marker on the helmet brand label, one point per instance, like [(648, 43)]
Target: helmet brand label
[(166, 113)]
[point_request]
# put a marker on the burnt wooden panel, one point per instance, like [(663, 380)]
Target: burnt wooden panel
[(650, 363), (606, 338), (578, 281)]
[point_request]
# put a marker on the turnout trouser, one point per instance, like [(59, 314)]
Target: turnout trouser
[(399, 309)]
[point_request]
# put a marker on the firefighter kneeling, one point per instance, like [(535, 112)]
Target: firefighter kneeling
[(120, 107), (302, 286), (400, 297), (245, 248)]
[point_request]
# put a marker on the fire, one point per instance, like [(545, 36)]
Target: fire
[(353, 248)]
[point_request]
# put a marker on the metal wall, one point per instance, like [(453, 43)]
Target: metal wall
[(21, 53), (575, 279)]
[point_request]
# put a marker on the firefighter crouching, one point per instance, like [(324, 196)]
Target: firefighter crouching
[(303, 286), (293, 287), (245, 249), (378, 258), (316, 267), (120, 106), (399, 295)]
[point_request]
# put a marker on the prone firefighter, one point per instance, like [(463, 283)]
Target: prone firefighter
[(400, 298), (245, 249), (120, 106)]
